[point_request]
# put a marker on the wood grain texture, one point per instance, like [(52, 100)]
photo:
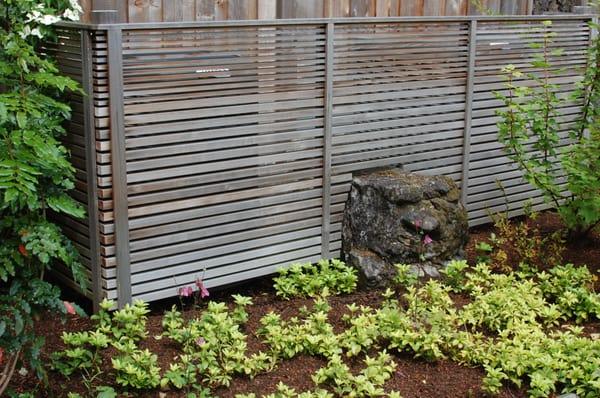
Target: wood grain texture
[(203, 10)]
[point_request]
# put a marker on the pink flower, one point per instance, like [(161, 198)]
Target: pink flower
[(200, 341), (417, 224), (69, 307), (186, 291), (427, 240), (203, 290)]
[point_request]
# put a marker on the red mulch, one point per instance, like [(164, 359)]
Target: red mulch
[(412, 378)]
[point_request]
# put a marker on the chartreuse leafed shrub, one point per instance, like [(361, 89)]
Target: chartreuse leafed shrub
[(531, 127), (301, 280), (213, 347), (518, 327), (35, 177), (123, 329)]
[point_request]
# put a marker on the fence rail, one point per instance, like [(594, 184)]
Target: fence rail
[(225, 150)]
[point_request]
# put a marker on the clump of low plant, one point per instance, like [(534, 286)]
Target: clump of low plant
[(572, 290), (213, 347), (455, 274), (311, 280), (520, 243), (405, 275), (368, 383), (122, 329), (311, 333), (284, 391)]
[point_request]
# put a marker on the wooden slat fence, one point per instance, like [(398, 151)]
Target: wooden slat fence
[(205, 10), (225, 150)]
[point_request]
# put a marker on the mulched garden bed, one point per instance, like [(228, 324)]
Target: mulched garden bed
[(412, 378)]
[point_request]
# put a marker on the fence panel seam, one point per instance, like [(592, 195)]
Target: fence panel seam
[(468, 111), (327, 138)]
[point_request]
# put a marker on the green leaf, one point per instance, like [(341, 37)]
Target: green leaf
[(21, 120), (106, 392), (65, 204), (19, 324)]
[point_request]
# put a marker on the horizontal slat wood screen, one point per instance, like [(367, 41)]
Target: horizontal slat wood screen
[(67, 51), (237, 143)]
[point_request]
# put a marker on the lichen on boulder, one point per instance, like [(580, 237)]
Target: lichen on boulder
[(394, 217)]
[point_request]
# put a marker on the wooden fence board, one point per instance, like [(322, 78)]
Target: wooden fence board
[(203, 10)]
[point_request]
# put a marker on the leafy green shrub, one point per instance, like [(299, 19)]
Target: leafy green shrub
[(530, 247), (35, 177), (530, 130), (312, 335), (121, 329), (571, 289), (508, 305), (405, 276), (368, 383), (300, 280), (510, 327), (455, 274), (213, 344), (284, 391), (137, 369)]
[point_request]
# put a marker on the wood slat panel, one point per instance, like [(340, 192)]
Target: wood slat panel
[(225, 129)]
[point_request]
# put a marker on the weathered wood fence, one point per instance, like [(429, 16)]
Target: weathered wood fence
[(204, 10), (224, 150)]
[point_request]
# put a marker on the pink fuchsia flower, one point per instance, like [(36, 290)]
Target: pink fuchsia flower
[(203, 290), (417, 224), (186, 291), (69, 308), (427, 240), (200, 341)]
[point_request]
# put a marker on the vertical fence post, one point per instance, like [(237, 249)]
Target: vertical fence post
[(92, 175), (593, 29), (327, 120), (468, 111), (118, 165)]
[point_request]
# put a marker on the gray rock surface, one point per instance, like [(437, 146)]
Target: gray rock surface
[(394, 217)]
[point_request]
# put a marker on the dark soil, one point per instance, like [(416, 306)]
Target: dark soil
[(412, 378)]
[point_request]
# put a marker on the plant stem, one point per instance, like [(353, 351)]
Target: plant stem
[(9, 371)]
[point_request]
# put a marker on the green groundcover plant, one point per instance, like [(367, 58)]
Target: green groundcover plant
[(35, 177), (532, 130), (520, 328), (301, 280)]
